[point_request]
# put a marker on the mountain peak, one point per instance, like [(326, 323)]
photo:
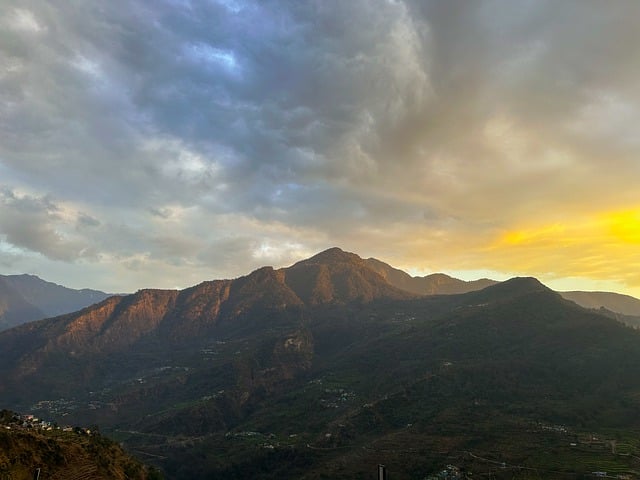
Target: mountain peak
[(525, 283), (516, 287), (331, 256), (336, 276)]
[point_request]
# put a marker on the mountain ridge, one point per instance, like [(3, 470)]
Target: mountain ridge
[(331, 277), (231, 377), (25, 298), (443, 284), (119, 321), (433, 284), (616, 302)]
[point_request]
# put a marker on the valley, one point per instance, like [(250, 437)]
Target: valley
[(325, 370), (319, 240)]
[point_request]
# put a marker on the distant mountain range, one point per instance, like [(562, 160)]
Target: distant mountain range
[(624, 308), (326, 368), (434, 284), (615, 302), (24, 298)]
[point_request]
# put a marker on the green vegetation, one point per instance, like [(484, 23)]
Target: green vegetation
[(513, 390), (509, 382)]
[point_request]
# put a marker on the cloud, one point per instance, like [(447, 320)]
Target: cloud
[(23, 20), (209, 137), (36, 224), (87, 221)]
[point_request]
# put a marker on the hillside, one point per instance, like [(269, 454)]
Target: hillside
[(505, 373), (150, 319), (624, 308), (25, 298), (324, 370), (615, 302), (14, 309), (29, 449)]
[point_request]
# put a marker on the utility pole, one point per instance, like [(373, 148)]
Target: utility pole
[(382, 472)]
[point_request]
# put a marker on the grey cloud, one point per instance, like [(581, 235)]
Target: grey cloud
[(232, 254), (161, 121), (35, 224), (159, 212), (322, 91), (85, 221)]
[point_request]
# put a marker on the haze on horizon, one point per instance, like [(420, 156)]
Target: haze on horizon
[(159, 144)]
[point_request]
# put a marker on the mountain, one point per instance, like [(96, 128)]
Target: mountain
[(434, 284), (24, 298), (58, 347), (324, 370), (338, 276), (14, 309), (624, 308), (614, 302)]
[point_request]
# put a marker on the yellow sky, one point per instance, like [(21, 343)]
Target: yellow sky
[(597, 250)]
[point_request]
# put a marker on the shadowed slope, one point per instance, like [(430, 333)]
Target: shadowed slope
[(24, 298), (625, 304), (14, 308)]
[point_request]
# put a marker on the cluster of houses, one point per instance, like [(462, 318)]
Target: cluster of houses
[(553, 428), (28, 422), (339, 395), (31, 422)]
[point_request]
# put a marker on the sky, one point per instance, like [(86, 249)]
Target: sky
[(167, 142)]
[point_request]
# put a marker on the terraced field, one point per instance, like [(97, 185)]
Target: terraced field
[(85, 470)]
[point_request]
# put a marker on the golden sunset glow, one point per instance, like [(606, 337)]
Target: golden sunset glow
[(543, 235), (497, 139), (602, 246), (624, 226)]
